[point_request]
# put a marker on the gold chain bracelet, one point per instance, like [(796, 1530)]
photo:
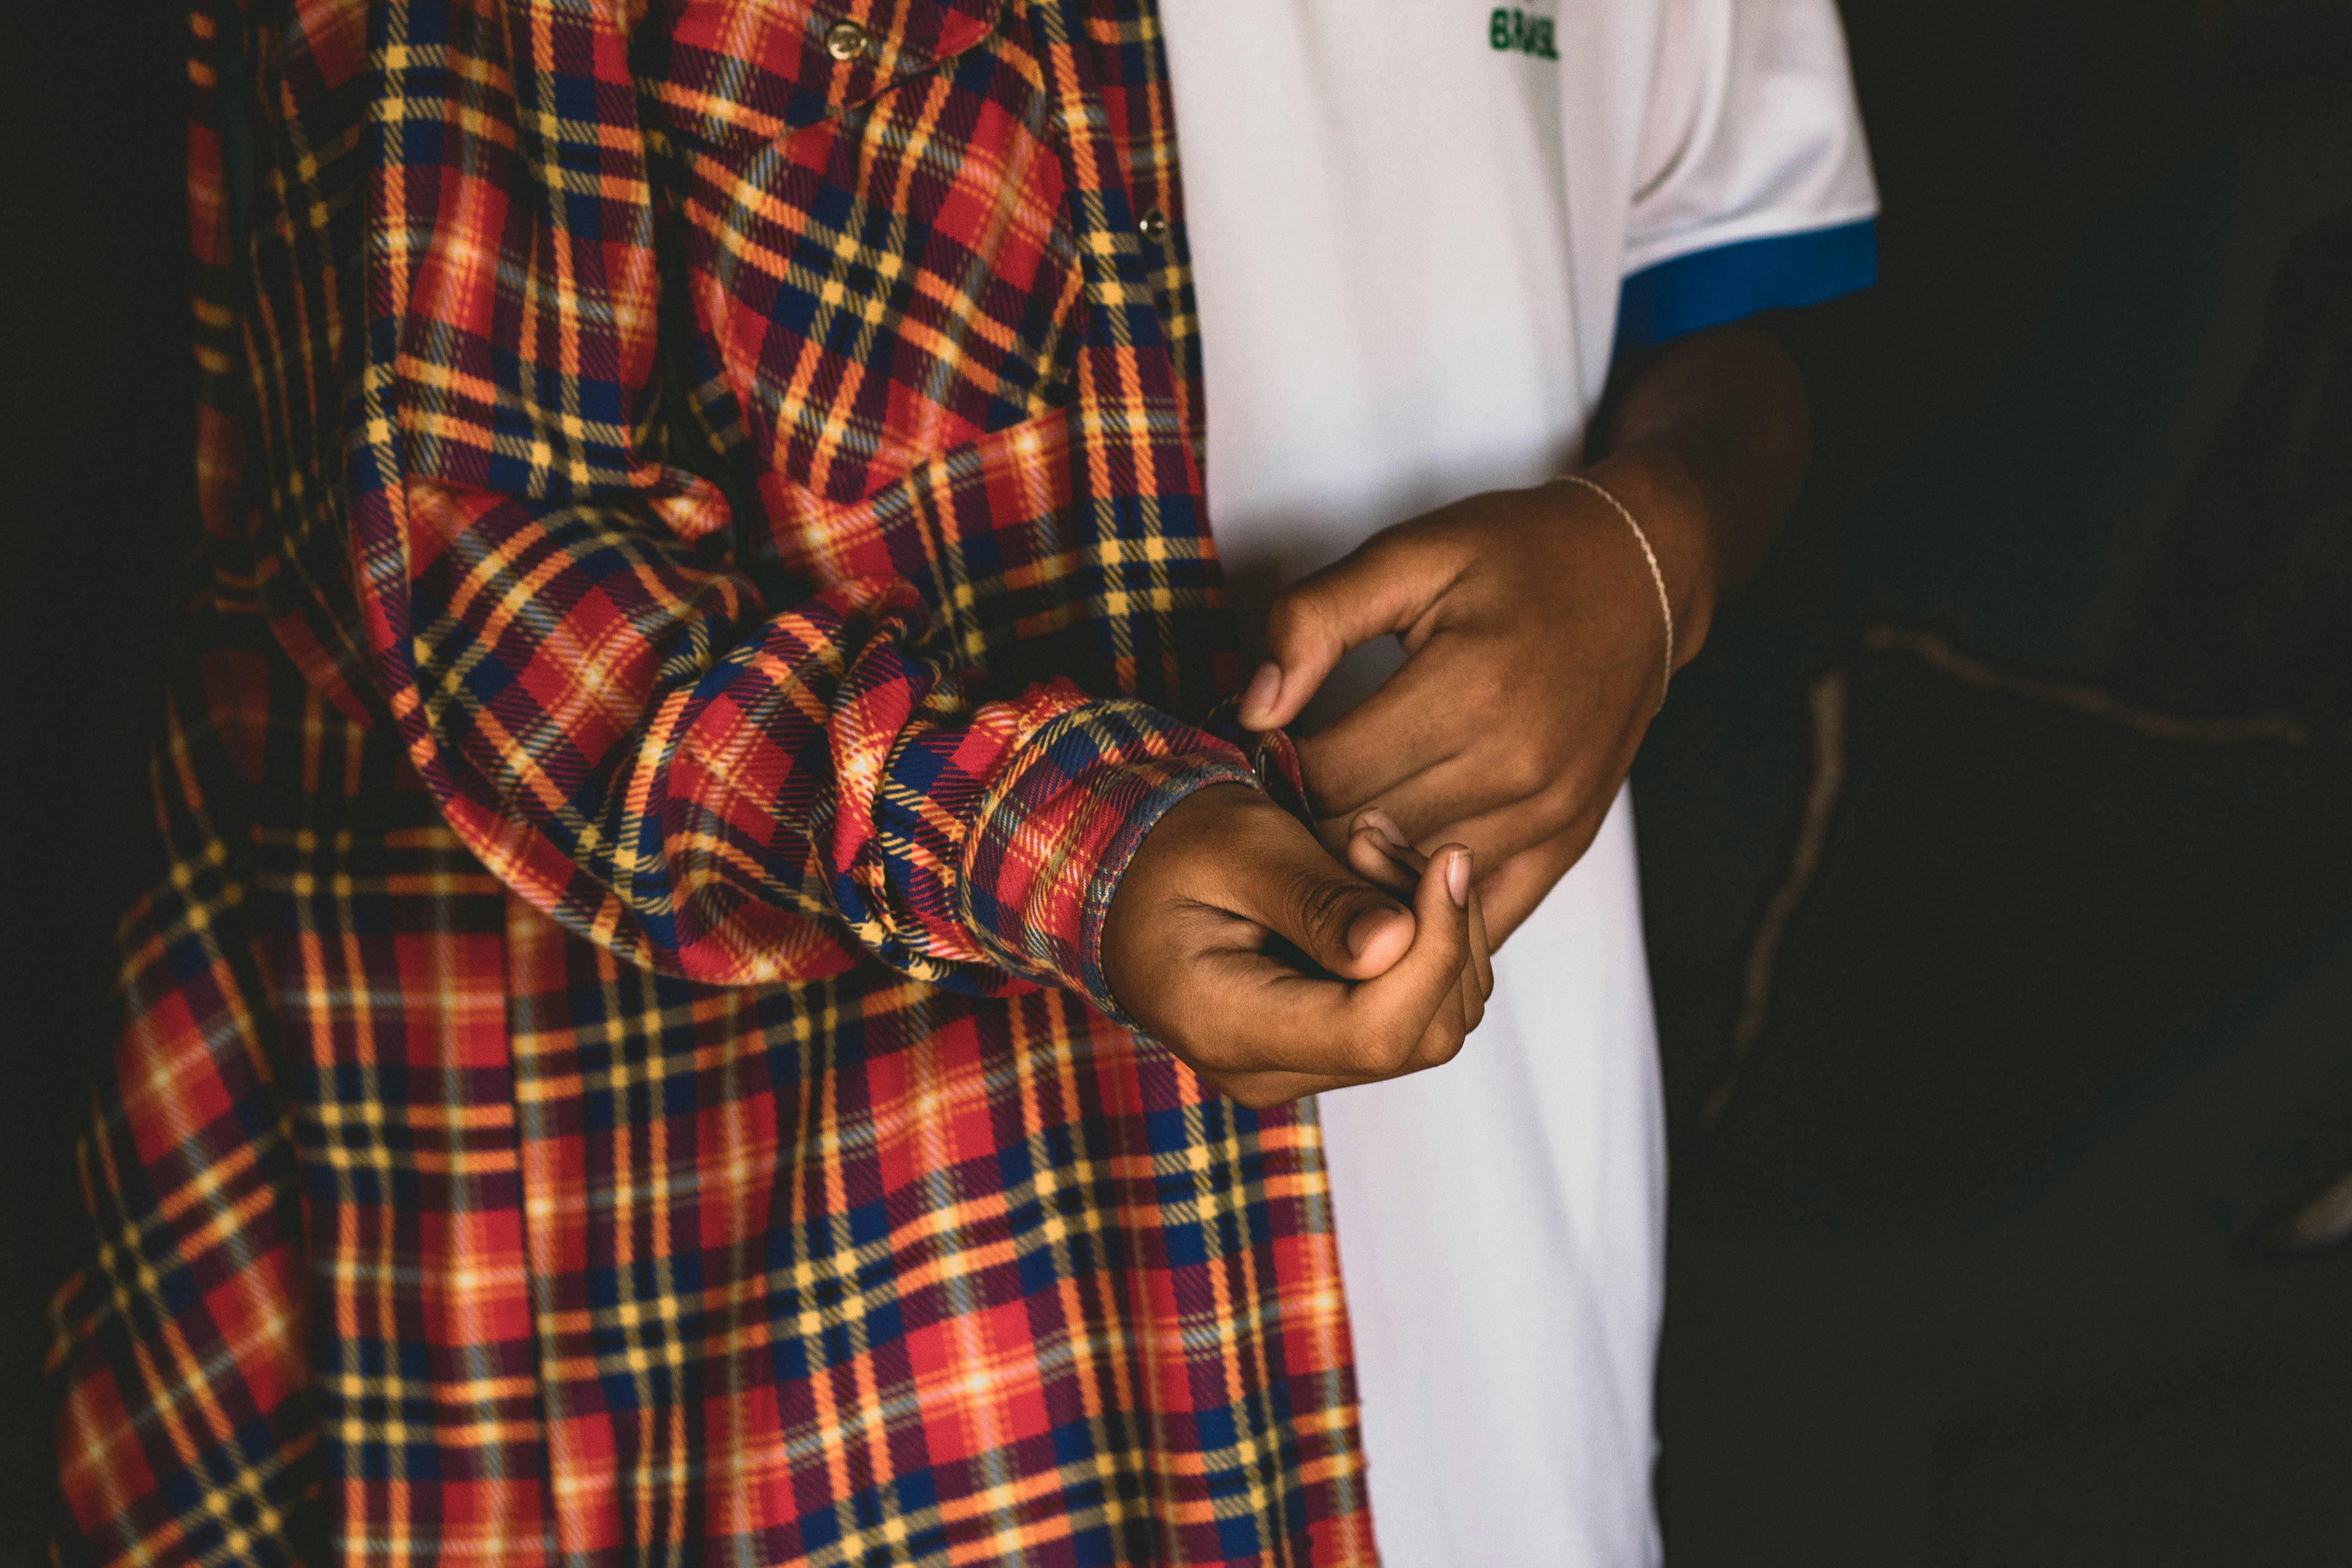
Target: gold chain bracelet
[(1657, 577)]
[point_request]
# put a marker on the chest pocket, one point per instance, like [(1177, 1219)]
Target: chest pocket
[(869, 203), (725, 75)]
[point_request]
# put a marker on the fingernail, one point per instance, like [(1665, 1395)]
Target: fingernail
[(1264, 691), (1383, 824), (1457, 877), (1366, 926)]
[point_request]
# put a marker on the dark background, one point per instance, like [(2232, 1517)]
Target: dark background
[(2086, 206), (99, 423), (2065, 1013)]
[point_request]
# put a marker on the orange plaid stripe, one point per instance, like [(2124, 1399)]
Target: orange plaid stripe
[(706, 561)]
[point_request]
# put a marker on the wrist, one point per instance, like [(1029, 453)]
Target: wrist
[(1051, 841), (1669, 496)]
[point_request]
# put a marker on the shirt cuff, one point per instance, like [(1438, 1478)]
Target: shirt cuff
[(1051, 841)]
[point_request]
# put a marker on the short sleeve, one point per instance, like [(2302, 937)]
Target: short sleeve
[(1754, 190)]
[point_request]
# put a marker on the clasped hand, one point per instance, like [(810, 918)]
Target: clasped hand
[(1464, 788)]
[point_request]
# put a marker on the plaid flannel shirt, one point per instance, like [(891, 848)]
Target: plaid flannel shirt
[(705, 560)]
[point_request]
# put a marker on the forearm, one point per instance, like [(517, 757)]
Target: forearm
[(741, 794), (1706, 445)]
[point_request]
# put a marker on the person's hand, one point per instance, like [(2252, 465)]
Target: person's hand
[(1274, 970), (1378, 851), (1536, 661)]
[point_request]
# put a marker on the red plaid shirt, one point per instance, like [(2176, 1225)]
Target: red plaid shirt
[(706, 559)]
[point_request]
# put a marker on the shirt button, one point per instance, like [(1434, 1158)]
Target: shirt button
[(1153, 226), (844, 40)]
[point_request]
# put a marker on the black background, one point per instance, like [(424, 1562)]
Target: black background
[(2084, 204), (98, 497)]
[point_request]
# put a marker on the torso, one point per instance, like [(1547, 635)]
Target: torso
[(1406, 244)]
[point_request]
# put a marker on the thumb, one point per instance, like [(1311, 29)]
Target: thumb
[(1343, 923), (1374, 591)]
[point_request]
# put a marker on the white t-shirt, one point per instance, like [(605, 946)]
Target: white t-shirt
[(1419, 230)]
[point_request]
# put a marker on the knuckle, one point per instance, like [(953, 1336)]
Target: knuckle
[(1256, 1095), (1292, 617), (1447, 1035), (1526, 772), (1490, 686), (1212, 1059), (1551, 821), (1319, 906), (1590, 788), (1401, 544), (1383, 1056)]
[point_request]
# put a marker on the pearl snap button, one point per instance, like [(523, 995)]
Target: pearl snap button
[(1153, 224), (844, 40)]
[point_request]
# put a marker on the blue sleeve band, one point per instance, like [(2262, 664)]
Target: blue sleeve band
[(1708, 287)]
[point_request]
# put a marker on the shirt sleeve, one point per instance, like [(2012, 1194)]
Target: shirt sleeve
[(1754, 189), (610, 713), (739, 794)]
